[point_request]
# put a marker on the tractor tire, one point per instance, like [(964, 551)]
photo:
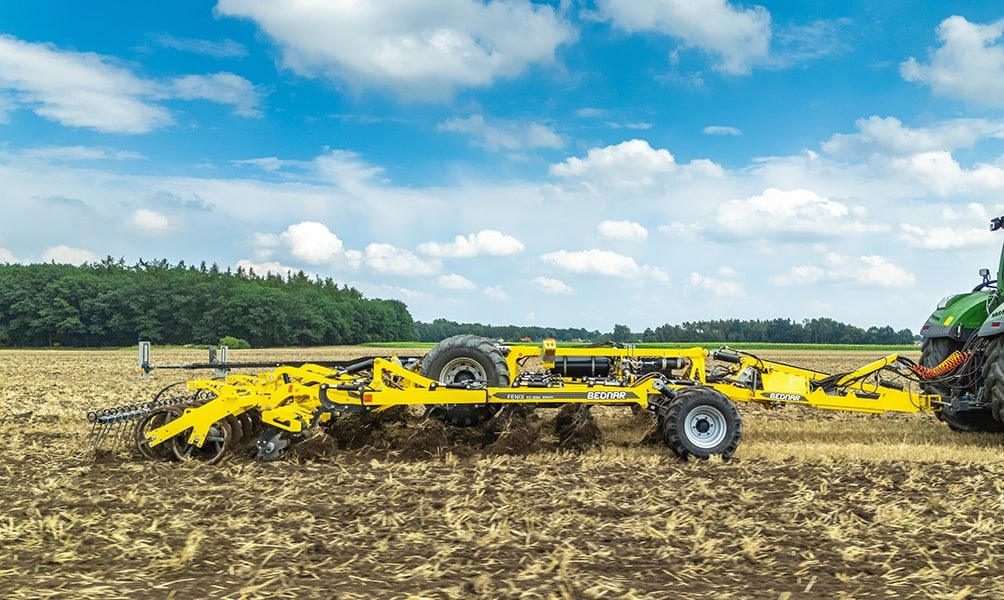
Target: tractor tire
[(933, 352), (702, 422), (993, 378), (462, 359)]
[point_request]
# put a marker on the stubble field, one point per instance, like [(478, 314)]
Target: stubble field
[(814, 505)]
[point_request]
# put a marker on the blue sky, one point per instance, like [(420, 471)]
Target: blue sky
[(564, 163)]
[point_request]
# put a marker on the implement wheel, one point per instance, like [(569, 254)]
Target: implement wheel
[(936, 350), (465, 359), (993, 379), (214, 448), (702, 422)]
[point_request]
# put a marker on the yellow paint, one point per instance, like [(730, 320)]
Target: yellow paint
[(948, 320)]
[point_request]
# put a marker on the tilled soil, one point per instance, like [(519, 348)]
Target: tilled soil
[(851, 506)]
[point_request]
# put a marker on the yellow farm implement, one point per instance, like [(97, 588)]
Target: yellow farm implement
[(466, 380)]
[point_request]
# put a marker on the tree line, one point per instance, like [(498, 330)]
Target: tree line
[(809, 331), (109, 303)]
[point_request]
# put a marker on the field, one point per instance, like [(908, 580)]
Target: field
[(814, 505)]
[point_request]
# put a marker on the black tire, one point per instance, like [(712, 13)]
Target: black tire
[(993, 378), (461, 359), (932, 353), (702, 422)]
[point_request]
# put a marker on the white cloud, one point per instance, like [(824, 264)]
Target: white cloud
[(721, 130), (739, 37), (969, 65), (456, 282), (633, 163), (552, 286), (495, 292), (223, 88), (78, 89), (67, 255), (312, 242), (485, 242), (149, 221), (945, 238), (716, 286), (503, 135), (871, 271), (6, 256), (388, 260), (264, 268), (627, 231), (422, 50), (269, 164), (682, 231), (941, 174), (602, 262), (225, 48), (78, 153), (84, 89), (797, 211), (888, 136)]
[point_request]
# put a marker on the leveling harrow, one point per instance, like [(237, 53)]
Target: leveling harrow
[(465, 380)]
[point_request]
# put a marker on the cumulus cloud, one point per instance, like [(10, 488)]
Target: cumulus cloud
[(495, 292), (455, 282), (633, 163), (871, 270), (503, 135), (423, 50), (223, 88), (945, 238), (721, 130), (68, 255), (602, 262), (485, 242), (626, 231), (84, 89), (552, 286), (969, 64), (149, 221), (268, 267), (797, 211), (738, 37), (312, 242), (6, 256), (887, 136)]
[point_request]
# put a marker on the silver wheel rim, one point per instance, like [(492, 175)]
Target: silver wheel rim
[(462, 370), (705, 427)]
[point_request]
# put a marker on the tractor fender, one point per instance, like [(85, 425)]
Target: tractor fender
[(957, 317), (994, 324)]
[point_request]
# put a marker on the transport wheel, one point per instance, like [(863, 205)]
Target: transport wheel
[(933, 352), (993, 378), (702, 422), (218, 441), (465, 359), (156, 419)]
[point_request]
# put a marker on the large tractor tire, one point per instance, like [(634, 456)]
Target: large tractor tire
[(993, 378), (702, 422), (933, 352), (464, 359)]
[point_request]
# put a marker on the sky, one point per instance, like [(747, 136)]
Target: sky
[(568, 164)]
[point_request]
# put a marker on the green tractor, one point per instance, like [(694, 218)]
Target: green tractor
[(971, 323)]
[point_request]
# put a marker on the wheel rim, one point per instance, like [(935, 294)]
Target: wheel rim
[(705, 427), (462, 370)]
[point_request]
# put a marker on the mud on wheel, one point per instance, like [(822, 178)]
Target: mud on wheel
[(702, 422), (465, 359)]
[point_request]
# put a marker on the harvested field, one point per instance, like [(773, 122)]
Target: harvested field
[(814, 505)]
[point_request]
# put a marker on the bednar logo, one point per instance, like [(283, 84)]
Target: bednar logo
[(785, 397)]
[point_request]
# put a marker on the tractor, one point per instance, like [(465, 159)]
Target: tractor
[(964, 341)]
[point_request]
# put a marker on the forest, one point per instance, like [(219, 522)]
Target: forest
[(109, 303)]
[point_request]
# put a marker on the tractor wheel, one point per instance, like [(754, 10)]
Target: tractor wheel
[(463, 359), (933, 352), (993, 378), (702, 422)]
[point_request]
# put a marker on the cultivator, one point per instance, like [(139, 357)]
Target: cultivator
[(466, 380)]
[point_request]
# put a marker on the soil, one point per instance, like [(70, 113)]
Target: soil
[(814, 505)]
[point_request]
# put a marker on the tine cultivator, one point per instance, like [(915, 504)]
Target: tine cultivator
[(466, 379)]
